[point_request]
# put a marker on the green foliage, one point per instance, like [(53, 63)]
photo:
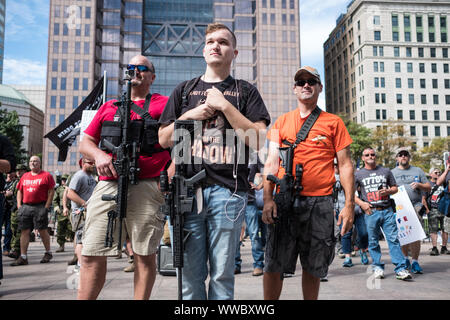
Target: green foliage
[(10, 127), (361, 137), (431, 156)]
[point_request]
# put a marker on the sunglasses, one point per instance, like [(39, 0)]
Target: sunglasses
[(310, 82), (369, 154), (141, 68), (403, 155)]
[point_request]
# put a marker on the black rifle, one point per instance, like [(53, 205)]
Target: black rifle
[(126, 156), (179, 197)]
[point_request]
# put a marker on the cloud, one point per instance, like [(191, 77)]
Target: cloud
[(24, 19), (24, 71)]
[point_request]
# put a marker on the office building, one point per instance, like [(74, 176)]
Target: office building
[(389, 60), (87, 38), (2, 36)]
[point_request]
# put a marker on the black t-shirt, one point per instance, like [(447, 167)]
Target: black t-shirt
[(218, 157), (370, 181)]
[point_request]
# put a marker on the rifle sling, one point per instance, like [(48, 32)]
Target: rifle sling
[(306, 127)]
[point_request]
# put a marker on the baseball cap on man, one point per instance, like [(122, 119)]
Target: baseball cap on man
[(402, 150), (21, 167), (308, 70)]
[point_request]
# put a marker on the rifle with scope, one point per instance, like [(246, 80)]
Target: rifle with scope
[(125, 161)]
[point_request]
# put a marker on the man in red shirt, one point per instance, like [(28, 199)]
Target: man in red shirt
[(34, 197), (144, 223)]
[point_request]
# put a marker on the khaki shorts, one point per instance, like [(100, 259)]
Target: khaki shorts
[(143, 223)]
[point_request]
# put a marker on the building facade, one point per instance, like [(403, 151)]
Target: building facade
[(34, 93), (389, 60), (31, 118), (2, 36), (87, 38)]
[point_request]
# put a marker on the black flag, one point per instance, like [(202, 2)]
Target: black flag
[(65, 134)]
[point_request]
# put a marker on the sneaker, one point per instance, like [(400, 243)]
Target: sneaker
[(73, 261), (60, 249), (434, 252), (415, 268), (378, 273), (444, 250), (47, 257), (257, 272), (347, 263), (14, 255), (324, 279), (364, 259), (130, 268), (403, 275), (341, 254), (353, 253), (237, 270), (19, 262), (287, 275)]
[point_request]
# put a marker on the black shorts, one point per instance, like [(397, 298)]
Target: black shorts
[(310, 236), (32, 216)]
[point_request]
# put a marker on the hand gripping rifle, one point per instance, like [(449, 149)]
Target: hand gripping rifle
[(179, 196), (126, 156)]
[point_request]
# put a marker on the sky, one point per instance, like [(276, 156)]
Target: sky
[(26, 37)]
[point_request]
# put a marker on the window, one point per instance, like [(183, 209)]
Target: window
[(75, 103), (422, 84), (412, 130), (86, 48), (377, 98), (437, 131), (431, 37), (435, 100), (447, 99), (87, 12), (64, 65), (445, 67), (436, 115), (408, 51), (53, 102), (377, 82), (85, 83), (395, 36), (76, 84), (412, 115), (383, 114), (394, 21), (419, 21), (85, 65), (424, 115), (397, 67), (423, 98), (422, 67), (76, 66), (375, 51), (409, 67), (443, 37), (377, 35), (73, 158), (433, 52), (61, 118), (56, 29), (77, 47), (398, 82), (407, 36), (377, 114), (411, 98), (420, 52), (65, 47), (382, 82), (63, 83), (62, 102), (376, 20), (419, 37), (396, 52), (87, 30), (434, 83), (375, 67), (445, 52), (448, 115), (447, 83), (381, 66), (65, 30), (433, 67), (400, 114), (55, 65), (54, 83), (51, 158), (410, 83), (52, 120), (430, 22), (55, 47), (399, 98)]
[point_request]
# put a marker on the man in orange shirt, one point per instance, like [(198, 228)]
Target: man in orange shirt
[(311, 231)]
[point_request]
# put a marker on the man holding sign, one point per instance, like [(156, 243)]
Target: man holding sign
[(376, 184), (415, 182)]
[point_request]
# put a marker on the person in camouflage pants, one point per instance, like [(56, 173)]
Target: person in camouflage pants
[(64, 229), (15, 239)]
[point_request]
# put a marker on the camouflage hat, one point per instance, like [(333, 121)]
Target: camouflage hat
[(65, 176), (21, 167)]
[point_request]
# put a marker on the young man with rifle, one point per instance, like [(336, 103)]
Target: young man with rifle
[(301, 215), (223, 105), (136, 158)]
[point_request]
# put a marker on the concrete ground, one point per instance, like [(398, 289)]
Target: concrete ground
[(57, 281)]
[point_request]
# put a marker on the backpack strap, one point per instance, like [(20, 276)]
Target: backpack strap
[(306, 127), (188, 87), (143, 113)]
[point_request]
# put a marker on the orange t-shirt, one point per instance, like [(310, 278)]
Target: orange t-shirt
[(316, 153)]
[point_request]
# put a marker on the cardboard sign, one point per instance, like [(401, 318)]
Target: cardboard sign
[(409, 227)]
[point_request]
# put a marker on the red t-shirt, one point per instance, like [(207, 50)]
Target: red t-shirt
[(150, 166), (35, 188), (328, 136)]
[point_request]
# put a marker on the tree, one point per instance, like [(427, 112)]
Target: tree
[(361, 137), (431, 156), (10, 127), (387, 139)]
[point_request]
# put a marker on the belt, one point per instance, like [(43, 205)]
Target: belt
[(380, 208), (35, 204)]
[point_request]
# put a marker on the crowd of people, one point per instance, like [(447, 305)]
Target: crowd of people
[(288, 215)]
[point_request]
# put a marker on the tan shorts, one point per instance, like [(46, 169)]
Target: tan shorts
[(143, 223)]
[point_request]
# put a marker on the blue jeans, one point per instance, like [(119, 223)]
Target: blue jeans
[(253, 220), (8, 231), (386, 220), (361, 229), (214, 235), (2, 211)]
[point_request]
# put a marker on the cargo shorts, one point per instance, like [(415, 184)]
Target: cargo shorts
[(435, 220), (32, 216), (310, 236)]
